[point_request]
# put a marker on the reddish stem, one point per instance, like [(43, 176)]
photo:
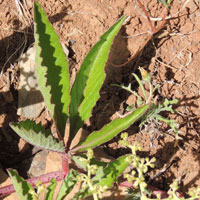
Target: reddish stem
[(46, 178), (59, 175), (147, 15), (65, 164)]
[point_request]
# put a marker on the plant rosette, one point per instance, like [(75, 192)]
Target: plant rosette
[(74, 105)]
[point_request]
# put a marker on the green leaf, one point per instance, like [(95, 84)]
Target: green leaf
[(67, 185), (110, 175), (110, 130), (22, 188), (36, 135), (89, 79), (113, 171), (50, 190), (51, 69)]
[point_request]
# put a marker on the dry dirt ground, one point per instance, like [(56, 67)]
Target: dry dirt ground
[(172, 57)]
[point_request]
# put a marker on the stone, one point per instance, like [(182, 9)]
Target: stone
[(38, 163), (53, 162), (30, 100)]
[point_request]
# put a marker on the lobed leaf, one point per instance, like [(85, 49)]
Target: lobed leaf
[(22, 188), (51, 69), (67, 185), (36, 135), (89, 79), (110, 130)]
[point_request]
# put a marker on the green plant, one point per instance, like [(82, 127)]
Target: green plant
[(86, 179), (76, 105), (153, 115), (140, 165), (136, 178)]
